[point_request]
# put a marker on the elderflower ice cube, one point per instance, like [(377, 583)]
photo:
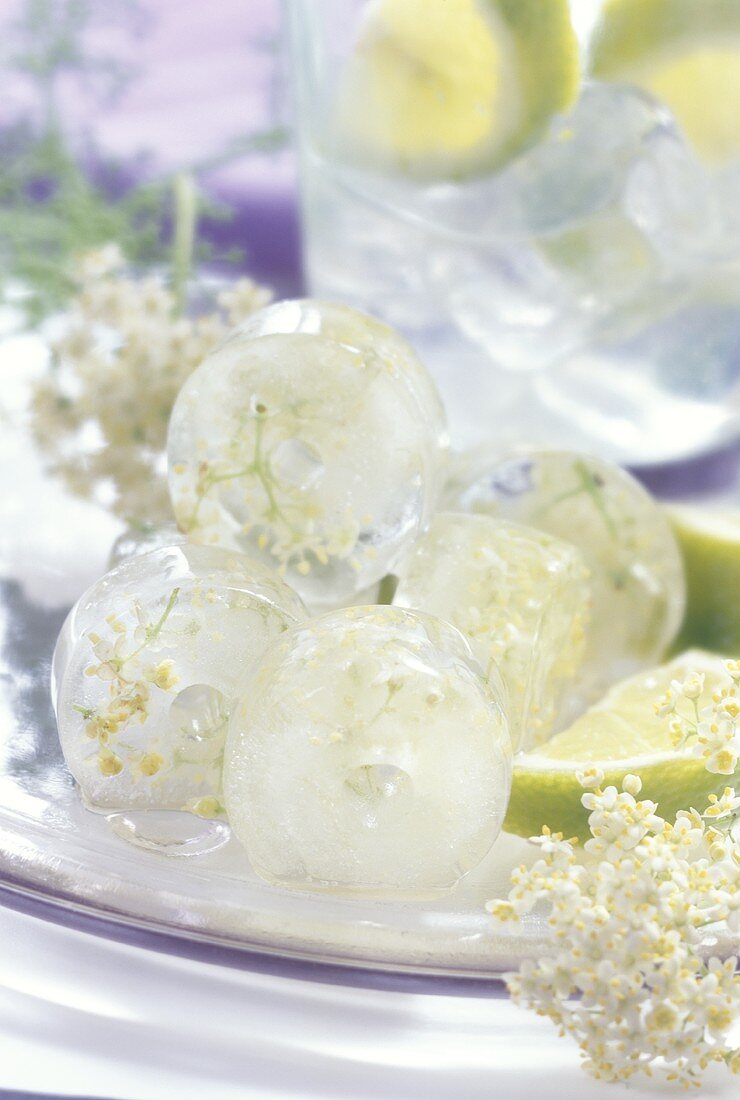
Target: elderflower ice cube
[(153, 657), (369, 754), (313, 439), (345, 325), (522, 599), (637, 577)]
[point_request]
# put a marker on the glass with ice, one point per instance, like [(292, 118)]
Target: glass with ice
[(542, 251)]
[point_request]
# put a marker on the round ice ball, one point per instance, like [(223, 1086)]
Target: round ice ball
[(368, 754), (522, 599), (313, 453), (151, 661), (367, 335), (637, 580)]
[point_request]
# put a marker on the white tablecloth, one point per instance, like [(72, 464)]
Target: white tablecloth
[(83, 1015)]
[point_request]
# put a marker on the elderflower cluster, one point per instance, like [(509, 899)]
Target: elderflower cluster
[(100, 415), (711, 732), (117, 662), (627, 977), (288, 517)]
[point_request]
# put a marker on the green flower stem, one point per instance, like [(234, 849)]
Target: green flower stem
[(586, 484), (387, 589), (259, 468), (151, 632), (262, 473), (593, 489), (183, 241)]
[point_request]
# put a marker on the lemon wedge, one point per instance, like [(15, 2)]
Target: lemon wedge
[(621, 734), (685, 52), (442, 89)]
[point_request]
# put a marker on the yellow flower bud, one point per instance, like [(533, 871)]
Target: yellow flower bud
[(150, 763), (108, 763)]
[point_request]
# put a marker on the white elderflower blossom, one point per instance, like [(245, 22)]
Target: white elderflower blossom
[(244, 297), (627, 978), (590, 777), (99, 261), (712, 731), (100, 416), (725, 805)]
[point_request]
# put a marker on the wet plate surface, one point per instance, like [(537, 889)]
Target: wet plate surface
[(167, 872), (169, 875), (181, 873)]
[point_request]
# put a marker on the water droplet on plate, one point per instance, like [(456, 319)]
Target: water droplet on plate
[(171, 833)]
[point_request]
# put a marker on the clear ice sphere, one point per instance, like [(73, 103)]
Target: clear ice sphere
[(307, 452), (369, 754), (359, 331), (154, 655), (637, 580), (377, 593), (130, 543), (521, 597)]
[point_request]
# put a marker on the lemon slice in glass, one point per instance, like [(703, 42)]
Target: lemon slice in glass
[(710, 544), (621, 734), (685, 52), (441, 89)]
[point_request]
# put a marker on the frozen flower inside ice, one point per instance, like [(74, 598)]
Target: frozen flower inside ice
[(637, 577), (521, 597), (148, 666), (369, 754), (317, 449)]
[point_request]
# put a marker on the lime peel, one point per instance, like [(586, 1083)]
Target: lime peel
[(710, 545), (444, 91), (546, 790), (685, 52)]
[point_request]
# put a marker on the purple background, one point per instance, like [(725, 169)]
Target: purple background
[(205, 74), (208, 73)]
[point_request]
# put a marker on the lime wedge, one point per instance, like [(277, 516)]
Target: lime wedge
[(449, 88), (710, 544), (620, 734), (685, 52)]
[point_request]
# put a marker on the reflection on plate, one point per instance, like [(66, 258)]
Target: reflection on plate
[(132, 872)]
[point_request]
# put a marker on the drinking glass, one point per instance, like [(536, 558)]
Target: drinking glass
[(585, 294)]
